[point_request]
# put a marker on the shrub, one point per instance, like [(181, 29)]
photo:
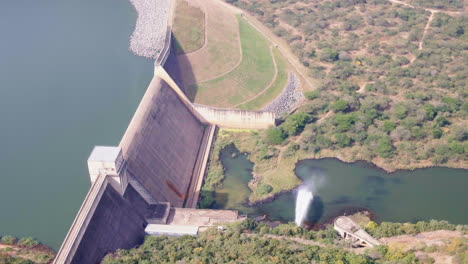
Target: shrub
[(441, 121), (28, 242), (400, 111), (340, 105), (456, 147), (343, 140), (275, 135), (206, 199), (264, 189), (388, 126), (248, 224), (9, 240), (385, 148), (311, 95), (459, 133), (329, 55), (295, 123), (437, 132)]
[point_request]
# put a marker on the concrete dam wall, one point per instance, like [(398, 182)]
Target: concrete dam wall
[(157, 161), (235, 118), (161, 144), (158, 165), (118, 222)]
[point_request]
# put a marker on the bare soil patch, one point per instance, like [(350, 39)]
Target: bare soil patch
[(441, 241)]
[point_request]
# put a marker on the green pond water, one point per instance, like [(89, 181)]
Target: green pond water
[(403, 196), (67, 83)]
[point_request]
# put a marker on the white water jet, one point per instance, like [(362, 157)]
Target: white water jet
[(303, 200)]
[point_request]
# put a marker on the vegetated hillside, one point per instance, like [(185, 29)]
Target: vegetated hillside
[(393, 78), (23, 251), (252, 242)]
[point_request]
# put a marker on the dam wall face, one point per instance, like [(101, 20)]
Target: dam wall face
[(118, 222), (160, 154), (162, 143), (235, 118)]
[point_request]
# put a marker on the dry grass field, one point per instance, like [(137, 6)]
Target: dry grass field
[(221, 51), (189, 27)]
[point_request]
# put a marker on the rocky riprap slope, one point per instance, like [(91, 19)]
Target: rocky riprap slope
[(288, 99), (151, 26)]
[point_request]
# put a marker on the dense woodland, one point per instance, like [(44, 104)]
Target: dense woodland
[(379, 95), (252, 242)]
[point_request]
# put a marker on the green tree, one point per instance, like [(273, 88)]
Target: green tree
[(275, 135), (437, 132), (340, 105), (28, 242), (9, 240), (344, 122), (457, 147), (343, 140), (388, 126), (385, 148), (431, 111), (295, 123), (248, 224), (400, 111), (442, 121)]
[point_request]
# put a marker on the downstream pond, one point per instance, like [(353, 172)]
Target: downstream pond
[(67, 83), (403, 196)]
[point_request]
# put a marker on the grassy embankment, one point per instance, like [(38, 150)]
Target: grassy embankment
[(254, 73), (188, 28), (275, 89)]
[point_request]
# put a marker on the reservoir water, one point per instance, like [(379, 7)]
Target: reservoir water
[(67, 83), (403, 196)]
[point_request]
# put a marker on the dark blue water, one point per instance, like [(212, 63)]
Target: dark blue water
[(404, 196), (67, 83)]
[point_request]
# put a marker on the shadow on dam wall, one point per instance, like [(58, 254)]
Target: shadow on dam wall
[(173, 66)]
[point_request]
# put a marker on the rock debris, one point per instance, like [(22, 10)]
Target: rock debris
[(150, 31), (288, 99)]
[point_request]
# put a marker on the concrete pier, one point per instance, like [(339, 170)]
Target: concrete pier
[(348, 229)]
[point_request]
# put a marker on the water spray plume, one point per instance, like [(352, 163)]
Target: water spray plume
[(303, 200)]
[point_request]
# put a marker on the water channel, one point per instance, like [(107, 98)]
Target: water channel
[(403, 196), (67, 83)]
